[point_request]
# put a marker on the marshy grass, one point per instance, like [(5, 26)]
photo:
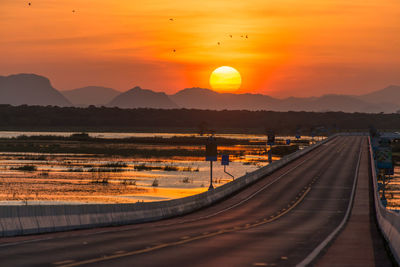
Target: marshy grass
[(75, 170), (103, 181), (26, 168), (127, 182), (190, 169), (144, 167), (118, 164), (40, 157), (102, 169), (155, 183), (186, 180), (167, 168), (170, 168)]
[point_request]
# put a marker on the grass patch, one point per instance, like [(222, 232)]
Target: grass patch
[(170, 168), (144, 167), (126, 182), (118, 164), (186, 180), (41, 158), (190, 169), (75, 170), (101, 169), (102, 181), (25, 168)]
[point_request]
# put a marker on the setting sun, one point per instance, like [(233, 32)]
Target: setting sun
[(225, 79)]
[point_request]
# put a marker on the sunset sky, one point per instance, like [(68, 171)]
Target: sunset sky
[(294, 48)]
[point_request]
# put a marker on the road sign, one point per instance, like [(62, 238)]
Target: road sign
[(271, 139), (288, 141), (225, 160), (298, 136), (384, 158), (211, 149)]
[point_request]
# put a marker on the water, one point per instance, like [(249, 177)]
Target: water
[(86, 178), (254, 137)]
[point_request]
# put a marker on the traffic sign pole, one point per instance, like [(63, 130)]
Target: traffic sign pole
[(211, 155), (211, 178), (270, 154)]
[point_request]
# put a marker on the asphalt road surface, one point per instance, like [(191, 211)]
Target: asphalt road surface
[(277, 221)]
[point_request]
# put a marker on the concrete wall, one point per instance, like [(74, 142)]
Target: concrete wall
[(389, 221), (31, 219)]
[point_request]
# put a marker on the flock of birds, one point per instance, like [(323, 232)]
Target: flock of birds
[(171, 19), (218, 43)]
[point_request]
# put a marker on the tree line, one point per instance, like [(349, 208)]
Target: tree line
[(52, 118)]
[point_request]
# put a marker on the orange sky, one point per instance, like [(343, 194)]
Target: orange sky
[(294, 48)]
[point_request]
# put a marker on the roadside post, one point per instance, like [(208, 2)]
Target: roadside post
[(225, 162), (298, 136), (383, 156), (270, 143), (211, 155)]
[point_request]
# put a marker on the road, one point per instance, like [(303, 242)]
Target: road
[(276, 221)]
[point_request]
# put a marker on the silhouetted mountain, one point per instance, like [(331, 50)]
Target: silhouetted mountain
[(388, 95), (91, 95), (29, 89), (36, 90), (343, 103), (201, 98), (206, 99), (142, 98)]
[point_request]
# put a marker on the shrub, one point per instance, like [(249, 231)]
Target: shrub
[(186, 180), (155, 183)]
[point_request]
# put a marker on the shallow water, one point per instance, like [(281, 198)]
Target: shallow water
[(90, 178)]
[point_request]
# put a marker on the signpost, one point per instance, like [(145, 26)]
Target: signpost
[(270, 143), (225, 162), (211, 155), (384, 162), (384, 158)]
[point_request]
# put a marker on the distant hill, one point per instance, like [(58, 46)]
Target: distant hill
[(29, 89), (343, 103), (388, 95), (142, 98), (207, 99), (90, 95), (32, 89), (201, 98)]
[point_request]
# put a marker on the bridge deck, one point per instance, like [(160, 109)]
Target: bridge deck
[(277, 221), (360, 243)]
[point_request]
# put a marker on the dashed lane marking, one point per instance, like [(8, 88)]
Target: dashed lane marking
[(190, 239)]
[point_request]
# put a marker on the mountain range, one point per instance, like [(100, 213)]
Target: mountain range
[(33, 89), (90, 95), (30, 89)]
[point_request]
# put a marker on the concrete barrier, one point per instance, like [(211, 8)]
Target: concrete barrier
[(30, 219), (388, 221)]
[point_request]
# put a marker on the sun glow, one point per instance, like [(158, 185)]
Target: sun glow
[(225, 79)]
